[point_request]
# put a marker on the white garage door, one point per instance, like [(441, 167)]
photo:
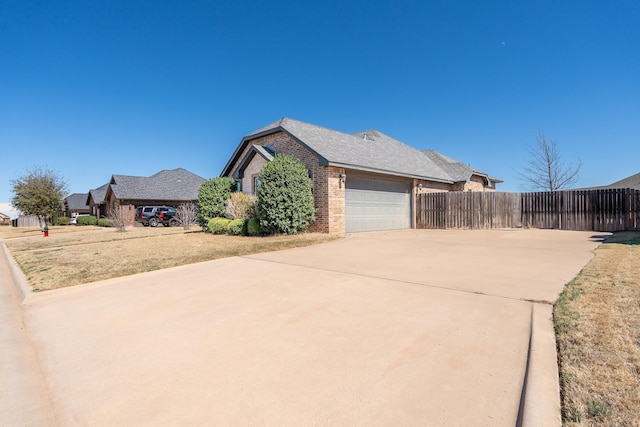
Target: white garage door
[(375, 202)]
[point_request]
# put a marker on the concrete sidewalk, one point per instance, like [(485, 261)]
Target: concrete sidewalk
[(24, 400), (401, 328)]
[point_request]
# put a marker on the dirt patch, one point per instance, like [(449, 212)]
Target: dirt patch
[(79, 256), (597, 320)]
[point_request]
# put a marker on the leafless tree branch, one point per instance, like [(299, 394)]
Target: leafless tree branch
[(546, 170)]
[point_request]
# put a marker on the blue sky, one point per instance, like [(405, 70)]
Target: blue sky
[(92, 89)]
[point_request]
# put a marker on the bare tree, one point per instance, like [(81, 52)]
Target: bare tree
[(546, 170), (117, 216), (187, 215)]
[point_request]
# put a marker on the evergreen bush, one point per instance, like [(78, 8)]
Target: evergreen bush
[(235, 227), (212, 197), (87, 220), (63, 220), (285, 199), (218, 225), (253, 227), (104, 222)]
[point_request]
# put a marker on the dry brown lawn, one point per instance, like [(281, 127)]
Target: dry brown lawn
[(597, 321), (75, 255)]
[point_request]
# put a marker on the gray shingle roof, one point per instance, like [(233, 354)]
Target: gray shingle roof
[(176, 184), (77, 201), (632, 181), (458, 171), (376, 153), (98, 195)]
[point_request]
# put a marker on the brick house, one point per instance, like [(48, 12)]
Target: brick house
[(96, 201), (361, 182), (168, 187), (75, 204)]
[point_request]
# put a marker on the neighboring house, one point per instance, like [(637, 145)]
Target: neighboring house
[(168, 187), (96, 200), (466, 178), (5, 219), (8, 213), (361, 182), (632, 182), (75, 204)]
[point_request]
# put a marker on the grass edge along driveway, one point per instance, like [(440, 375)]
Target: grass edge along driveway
[(597, 324), (76, 255)]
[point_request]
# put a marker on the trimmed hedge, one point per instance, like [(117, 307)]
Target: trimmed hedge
[(63, 220), (104, 222), (235, 227), (87, 220), (218, 225)]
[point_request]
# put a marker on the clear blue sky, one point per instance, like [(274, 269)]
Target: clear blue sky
[(95, 88)]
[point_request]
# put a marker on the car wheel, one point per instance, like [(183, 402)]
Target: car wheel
[(173, 222), (153, 222)]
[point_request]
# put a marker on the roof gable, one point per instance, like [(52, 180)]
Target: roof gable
[(370, 151)]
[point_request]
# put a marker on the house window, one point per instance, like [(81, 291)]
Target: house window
[(256, 184), (239, 186)]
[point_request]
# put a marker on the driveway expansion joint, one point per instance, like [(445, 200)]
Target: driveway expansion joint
[(407, 282)]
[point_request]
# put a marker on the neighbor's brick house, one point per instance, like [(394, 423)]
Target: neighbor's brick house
[(365, 181), (168, 187)]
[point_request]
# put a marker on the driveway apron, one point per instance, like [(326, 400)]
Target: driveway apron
[(412, 327)]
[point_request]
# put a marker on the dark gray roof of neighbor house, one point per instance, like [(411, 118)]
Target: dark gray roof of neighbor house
[(456, 169), (632, 181), (369, 151), (98, 194), (77, 201), (175, 184)]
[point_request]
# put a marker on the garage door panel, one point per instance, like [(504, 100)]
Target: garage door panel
[(374, 203)]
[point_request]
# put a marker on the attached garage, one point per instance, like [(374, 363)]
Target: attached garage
[(376, 202)]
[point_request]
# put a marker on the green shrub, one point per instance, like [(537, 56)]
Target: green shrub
[(104, 222), (218, 225), (285, 200), (212, 197), (253, 227), (236, 226), (63, 220), (87, 220)]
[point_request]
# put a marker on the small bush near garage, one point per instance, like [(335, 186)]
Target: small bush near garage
[(63, 220), (212, 197), (235, 227), (218, 225), (104, 222), (87, 220), (285, 199), (253, 227)]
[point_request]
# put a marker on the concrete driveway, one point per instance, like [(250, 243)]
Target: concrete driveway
[(411, 327)]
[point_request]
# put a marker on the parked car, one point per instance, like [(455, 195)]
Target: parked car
[(154, 215), (74, 218)]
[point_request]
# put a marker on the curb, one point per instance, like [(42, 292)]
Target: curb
[(19, 279), (540, 399)]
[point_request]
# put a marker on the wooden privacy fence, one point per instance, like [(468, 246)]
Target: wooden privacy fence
[(596, 210)]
